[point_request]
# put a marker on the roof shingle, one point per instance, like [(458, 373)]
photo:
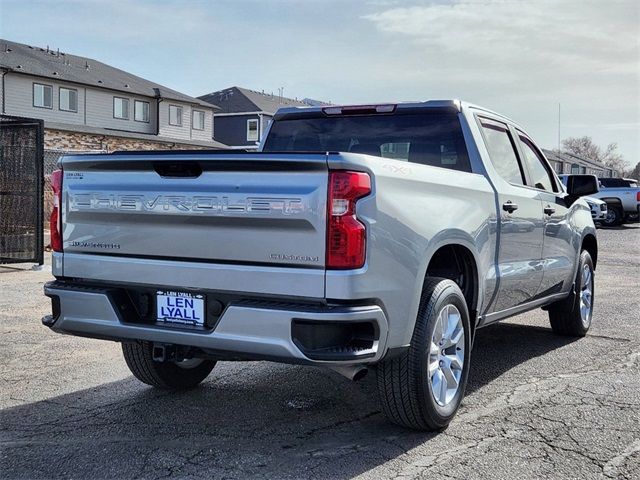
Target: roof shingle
[(238, 100)]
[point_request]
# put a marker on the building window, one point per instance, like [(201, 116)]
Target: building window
[(42, 95), (252, 130), (68, 99), (121, 108), (141, 111), (175, 115), (197, 122)]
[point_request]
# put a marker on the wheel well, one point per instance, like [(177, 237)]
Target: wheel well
[(590, 244), (457, 263), (616, 202)]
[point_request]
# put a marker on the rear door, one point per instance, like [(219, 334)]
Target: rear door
[(520, 265), (558, 253)]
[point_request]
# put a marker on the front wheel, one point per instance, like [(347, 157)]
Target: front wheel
[(614, 216), (572, 316), (422, 389), (166, 375)]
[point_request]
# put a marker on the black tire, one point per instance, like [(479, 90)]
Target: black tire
[(404, 385), (565, 316), (165, 375), (614, 216)]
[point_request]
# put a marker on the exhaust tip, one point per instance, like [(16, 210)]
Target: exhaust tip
[(360, 374), (352, 372)]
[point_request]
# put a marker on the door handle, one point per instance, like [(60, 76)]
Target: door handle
[(509, 206), (549, 210)]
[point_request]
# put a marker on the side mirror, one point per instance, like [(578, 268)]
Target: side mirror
[(582, 185)]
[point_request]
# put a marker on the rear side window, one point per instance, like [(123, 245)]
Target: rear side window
[(540, 176), (617, 183), (502, 151), (433, 139)]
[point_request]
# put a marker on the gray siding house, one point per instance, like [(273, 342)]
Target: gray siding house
[(89, 105), (244, 114), (569, 163)]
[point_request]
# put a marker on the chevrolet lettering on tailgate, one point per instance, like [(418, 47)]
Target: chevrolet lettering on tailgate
[(214, 205)]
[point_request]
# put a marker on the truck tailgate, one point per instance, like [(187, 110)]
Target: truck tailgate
[(244, 209)]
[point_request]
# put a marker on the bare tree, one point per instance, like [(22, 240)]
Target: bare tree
[(634, 172), (585, 147)]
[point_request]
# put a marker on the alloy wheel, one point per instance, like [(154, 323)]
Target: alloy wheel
[(586, 295), (446, 355)]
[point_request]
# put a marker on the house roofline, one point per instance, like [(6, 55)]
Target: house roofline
[(200, 103)]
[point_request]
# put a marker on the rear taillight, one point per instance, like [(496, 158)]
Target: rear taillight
[(55, 222), (638, 196), (346, 235)]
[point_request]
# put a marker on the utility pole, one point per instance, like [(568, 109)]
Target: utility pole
[(558, 126)]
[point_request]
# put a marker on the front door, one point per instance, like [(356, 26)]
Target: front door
[(558, 252)]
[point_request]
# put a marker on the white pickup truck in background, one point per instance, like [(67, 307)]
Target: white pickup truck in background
[(622, 196)]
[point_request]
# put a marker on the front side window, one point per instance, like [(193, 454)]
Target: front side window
[(141, 111), (197, 122), (121, 108), (175, 115), (430, 138), (502, 151), (42, 95), (540, 177), (252, 130), (68, 99)]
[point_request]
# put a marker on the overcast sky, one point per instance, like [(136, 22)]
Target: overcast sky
[(519, 58)]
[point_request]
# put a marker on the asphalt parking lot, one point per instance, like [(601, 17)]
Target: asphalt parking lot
[(537, 405)]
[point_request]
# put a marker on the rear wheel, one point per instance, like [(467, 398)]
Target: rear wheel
[(422, 389), (572, 316), (166, 375)]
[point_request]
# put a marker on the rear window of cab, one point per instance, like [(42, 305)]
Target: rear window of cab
[(433, 139)]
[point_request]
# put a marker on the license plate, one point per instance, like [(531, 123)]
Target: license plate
[(180, 307)]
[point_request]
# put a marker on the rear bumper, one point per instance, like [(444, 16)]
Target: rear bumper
[(244, 330)]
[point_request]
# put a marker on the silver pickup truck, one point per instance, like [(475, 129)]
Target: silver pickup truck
[(622, 196), (374, 237)]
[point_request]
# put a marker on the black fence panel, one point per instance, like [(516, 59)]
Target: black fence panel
[(21, 190)]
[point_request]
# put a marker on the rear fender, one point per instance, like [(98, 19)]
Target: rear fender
[(442, 239)]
